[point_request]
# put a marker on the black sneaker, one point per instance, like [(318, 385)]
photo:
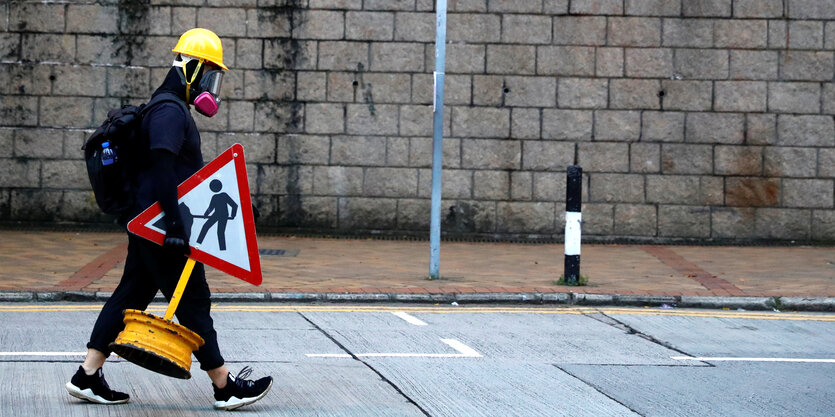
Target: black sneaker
[(239, 391), (94, 388)]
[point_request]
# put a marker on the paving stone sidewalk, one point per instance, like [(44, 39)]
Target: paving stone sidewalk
[(55, 266)]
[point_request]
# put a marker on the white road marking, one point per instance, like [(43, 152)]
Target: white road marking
[(728, 359), (464, 352), (46, 354), (409, 318)]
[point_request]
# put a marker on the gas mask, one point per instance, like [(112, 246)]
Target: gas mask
[(207, 90)]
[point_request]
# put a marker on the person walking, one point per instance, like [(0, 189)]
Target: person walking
[(171, 145)]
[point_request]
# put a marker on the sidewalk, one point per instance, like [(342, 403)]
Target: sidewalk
[(56, 266)]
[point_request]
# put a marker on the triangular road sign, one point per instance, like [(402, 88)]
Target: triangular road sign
[(216, 207)]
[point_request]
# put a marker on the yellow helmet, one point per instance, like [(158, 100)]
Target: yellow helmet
[(201, 43)]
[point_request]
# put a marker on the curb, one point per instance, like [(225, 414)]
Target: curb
[(556, 298)]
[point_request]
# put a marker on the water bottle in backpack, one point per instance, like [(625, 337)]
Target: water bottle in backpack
[(108, 154)]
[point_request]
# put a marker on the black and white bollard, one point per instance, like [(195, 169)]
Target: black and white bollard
[(573, 222)]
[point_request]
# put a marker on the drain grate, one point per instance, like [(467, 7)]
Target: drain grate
[(278, 252)]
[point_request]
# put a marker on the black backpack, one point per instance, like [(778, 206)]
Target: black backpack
[(114, 185)]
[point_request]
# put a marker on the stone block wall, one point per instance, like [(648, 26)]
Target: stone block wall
[(699, 119)]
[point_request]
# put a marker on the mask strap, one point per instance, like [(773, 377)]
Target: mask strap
[(193, 77)]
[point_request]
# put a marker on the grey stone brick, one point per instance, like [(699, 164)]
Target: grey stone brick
[(712, 191), (241, 115), (649, 63), (390, 182), (805, 34), (336, 4), (771, 223), (673, 189), (66, 111), (758, 8), (702, 63), (471, 27), (634, 94), (808, 193), (741, 96), (491, 154), (613, 7), (94, 19), (20, 173), (547, 155), (718, 8), (461, 58), (598, 219), (582, 93), (530, 91), (525, 123), (622, 188), (394, 56), (248, 53), (662, 127), (688, 32), (803, 65), (714, 128), (653, 7), (31, 17), (271, 116), (7, 141), (414, 27), (563, 60), (752, 191), (521, 186), (35, 204), (754, 65), (549, 186), (385, 88), (491, 185), (579, 30), (154, 21), (103, 105), (358, 150), (829, 35), (341, 86), (367, 213), (684, 221), (337, 180), (315, 212), (223, 21), (389, 5), (218, 123), (9, 46), (603, 157), (732, 222), (346, 56), (64, 175), (823, 225), (418, 121), (686, 159), (741, 34), (301, 55), (525, 217), (511, 59), (183, 19), (787, 97), (790, 162), (826, 162), (397, 152), (79, 206), (369, 26), (738, 160), (529, 29), (411, 214), (778, 34), (805, 130), (31, 79), (311, 85), (687, 95), (634, 31), (19, 110), (480, 122), (266, 22), (37, 143), (828, 100), (635, 220), (303, 149), (515, 6), (47, 47), (617, 125), (812, 9), (324, 118), (554, 6), (609, 62), (645, 157), (372, 119), (761, 129), (128, 82), (455, 183), (566, 124), (319, 24)]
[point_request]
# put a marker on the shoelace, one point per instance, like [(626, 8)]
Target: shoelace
[(240, 379)]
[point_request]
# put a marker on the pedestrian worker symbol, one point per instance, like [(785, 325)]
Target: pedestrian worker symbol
[(217, 214)]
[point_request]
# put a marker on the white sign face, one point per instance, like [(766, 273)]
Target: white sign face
[(213, 208)]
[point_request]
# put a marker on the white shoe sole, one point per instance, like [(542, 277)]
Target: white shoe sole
[(88, 395), (235, 402)]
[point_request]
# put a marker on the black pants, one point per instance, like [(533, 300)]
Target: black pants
[(149, 268)]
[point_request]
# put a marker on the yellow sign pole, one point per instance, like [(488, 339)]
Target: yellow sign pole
[(178, 292)]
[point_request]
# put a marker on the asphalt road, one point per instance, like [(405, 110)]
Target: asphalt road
[(373, 360)]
